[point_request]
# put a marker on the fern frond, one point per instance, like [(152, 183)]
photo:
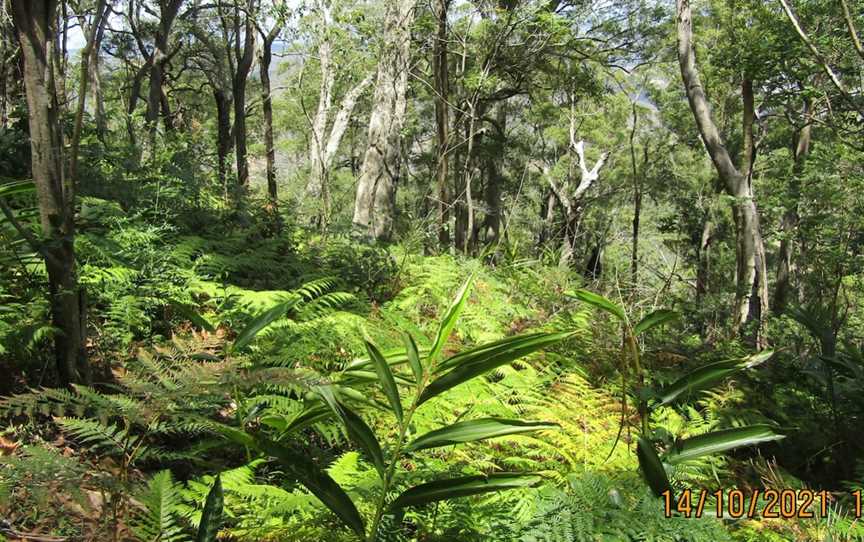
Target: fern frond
[(159, 520)]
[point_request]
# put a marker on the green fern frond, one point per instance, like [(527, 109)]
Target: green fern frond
[(159, 519)]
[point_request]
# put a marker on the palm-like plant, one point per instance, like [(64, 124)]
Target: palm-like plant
[(647, 398), (431, 374)]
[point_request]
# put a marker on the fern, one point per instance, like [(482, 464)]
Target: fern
[(159, 521)]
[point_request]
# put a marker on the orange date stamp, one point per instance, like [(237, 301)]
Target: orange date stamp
[(757, 503)]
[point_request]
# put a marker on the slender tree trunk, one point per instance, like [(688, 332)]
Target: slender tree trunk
[(442, 120), (467, 172), (789, 223), (751, 292), (494, 180), (267, 109), (223, 134), (34, 23), (703, 268), (240, 152), (637, 201), (158, 62), (375, 202), (96, 83), (244, 55)]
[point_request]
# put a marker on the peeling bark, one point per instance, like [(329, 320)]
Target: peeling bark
[(375, 202)]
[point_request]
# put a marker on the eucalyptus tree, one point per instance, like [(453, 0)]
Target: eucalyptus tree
[(751, 295), (331, 27), (375, 202), (36, 28)]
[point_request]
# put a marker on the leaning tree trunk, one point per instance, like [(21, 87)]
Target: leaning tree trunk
[(34, 22), (751, 292), (375, 202)]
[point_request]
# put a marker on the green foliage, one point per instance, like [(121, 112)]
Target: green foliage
[(159, 520)]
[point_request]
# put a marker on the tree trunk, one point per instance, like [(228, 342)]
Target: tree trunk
[(240, 153), (34, 23), (751, 292), (494, 180), (223, 135), (375, 202), (703, 266), (789, 223), (267, 109), (442, 119)]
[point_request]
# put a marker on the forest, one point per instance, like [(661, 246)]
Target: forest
[(431, 270)]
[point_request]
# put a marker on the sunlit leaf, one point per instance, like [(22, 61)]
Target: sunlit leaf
[(462, 487), (720, 441), (260, 322), (385, 376), (600, 302), (482, 359), (474, 430), (450, 318), (656, 318)]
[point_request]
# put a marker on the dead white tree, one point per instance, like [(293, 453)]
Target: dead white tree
[(570, 194), (326, 135)]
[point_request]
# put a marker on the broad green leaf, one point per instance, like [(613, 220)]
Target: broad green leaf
[(286, 425), (651, 467), (462, 487), (474, 430), (358, 430), (260, 322), (348, 378), (303, 469), (656, 318), (385, 376), (395, 356), (600, 302), (482, 359), (413, 356), (211, 517), (318, 482), (449, 320), (706, 376), (720, 441), (489, 348)]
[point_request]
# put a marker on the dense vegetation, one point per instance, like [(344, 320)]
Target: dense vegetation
[(450, 270)]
